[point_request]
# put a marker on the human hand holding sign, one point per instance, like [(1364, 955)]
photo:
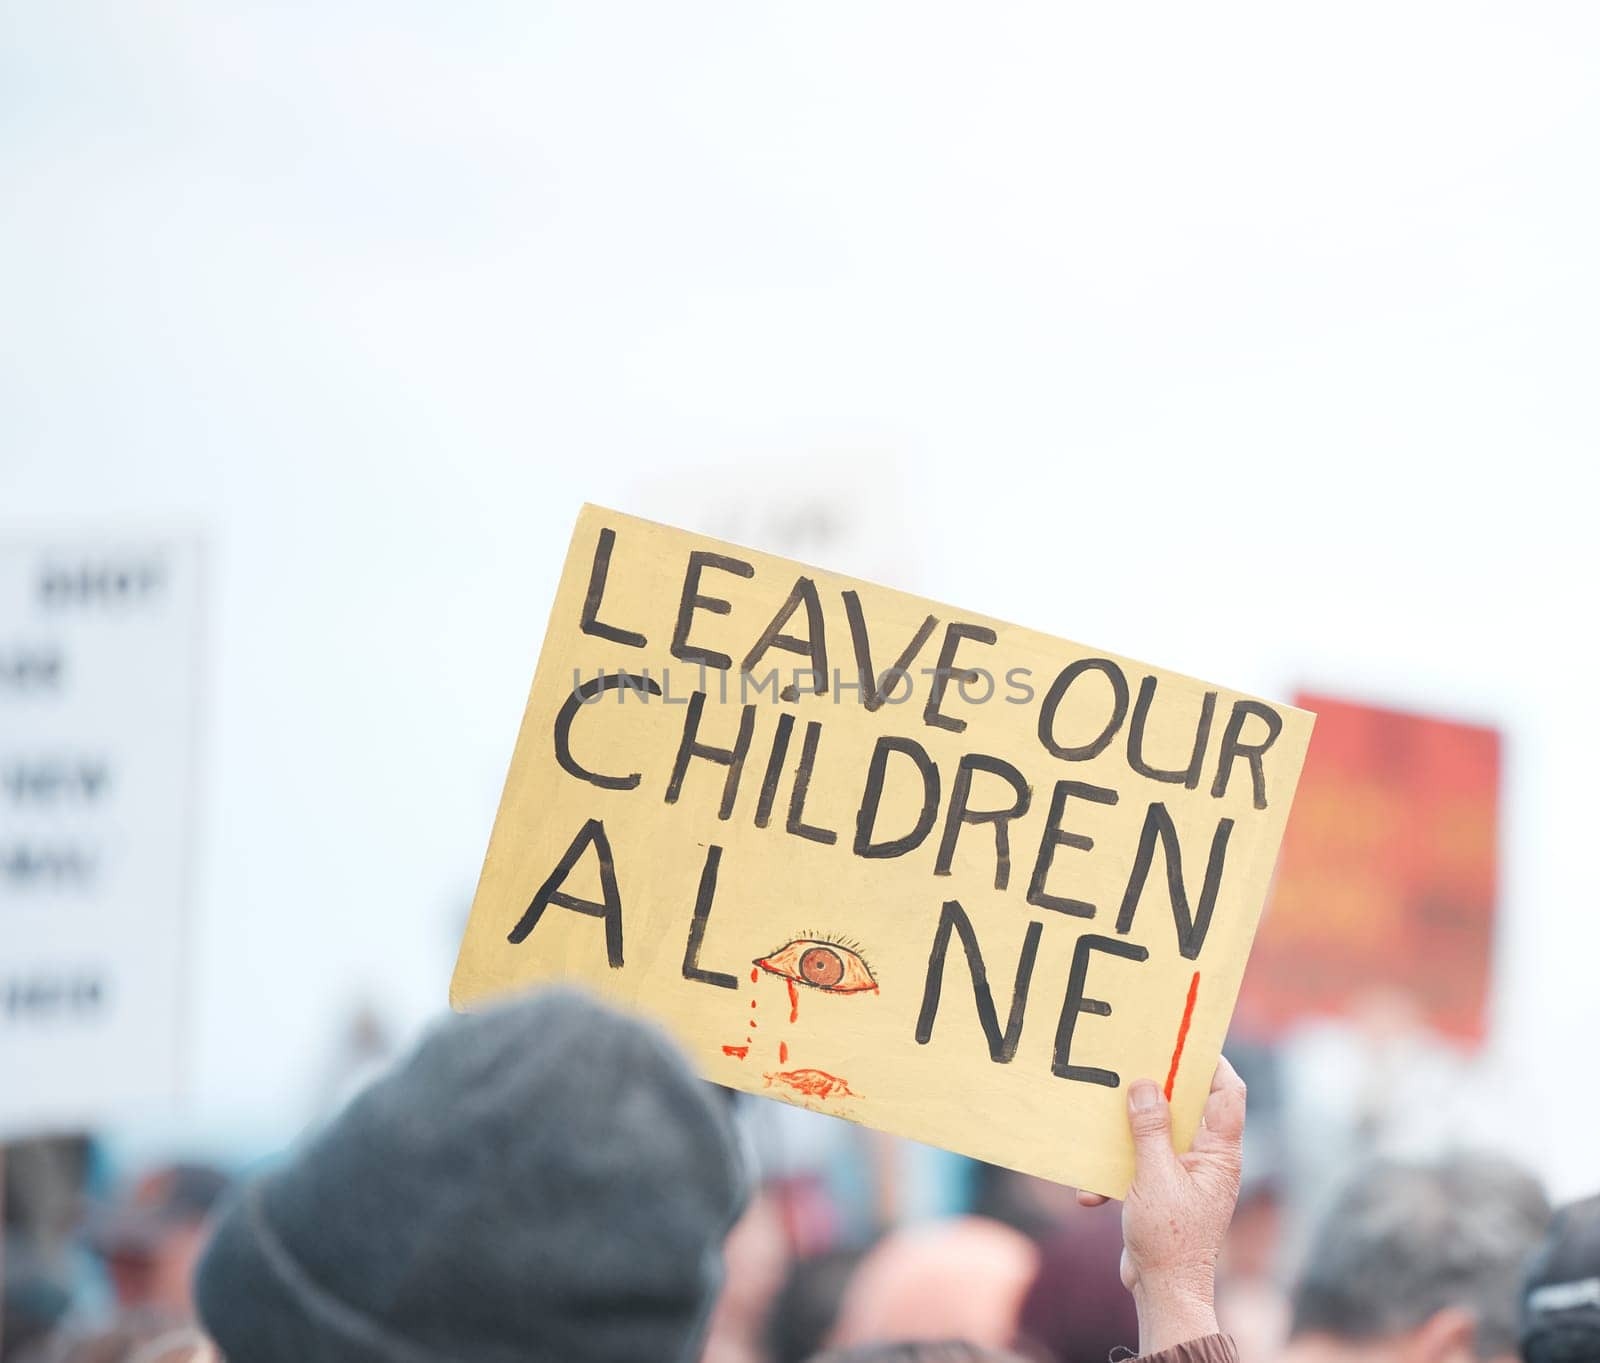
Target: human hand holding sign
[(1178, 1209)]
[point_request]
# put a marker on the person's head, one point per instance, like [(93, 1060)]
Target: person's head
[(1561, 1295), (545, 1182), (958, 1279), (1422, 1262), (151, 1239)]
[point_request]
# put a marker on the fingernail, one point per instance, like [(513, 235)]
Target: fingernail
[(1143, 1096)]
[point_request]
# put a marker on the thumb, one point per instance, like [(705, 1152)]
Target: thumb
[(1150, 1120)]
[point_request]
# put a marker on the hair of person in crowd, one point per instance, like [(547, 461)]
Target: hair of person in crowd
[(1428, 1253)]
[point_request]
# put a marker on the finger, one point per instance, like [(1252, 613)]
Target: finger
[(1088, 1199), (1150, 1120), (1226, 1076), (1222, 1121)]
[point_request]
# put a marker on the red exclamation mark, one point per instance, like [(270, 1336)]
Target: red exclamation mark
[(1183, 1033)]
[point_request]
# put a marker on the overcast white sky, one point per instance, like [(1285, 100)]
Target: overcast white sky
[(1258, 340)]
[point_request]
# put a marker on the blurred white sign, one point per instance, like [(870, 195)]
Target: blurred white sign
[(98, 689)]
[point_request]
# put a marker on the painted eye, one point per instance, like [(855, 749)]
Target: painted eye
[(823, 965)]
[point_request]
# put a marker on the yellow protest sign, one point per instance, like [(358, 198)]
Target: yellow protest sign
[(885, 859)]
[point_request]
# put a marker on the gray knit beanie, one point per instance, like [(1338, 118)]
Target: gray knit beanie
[(542, 1183)]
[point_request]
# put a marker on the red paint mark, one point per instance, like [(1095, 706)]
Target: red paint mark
[(812, 1083), (1183, 1033), (794, 1002), (737, 1052), (783, 1052), (754, 1023), (755, 973), (752, 1003)]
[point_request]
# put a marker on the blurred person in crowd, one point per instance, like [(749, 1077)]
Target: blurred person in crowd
[(1419, 1263), (140, 1338), (151, 1239), (958, 1279), (1252, 1304), (1076, 1310), (42, 1182), (927, 1351), (1035, 1206), (35, 1301), (806, 1308), (543, 1182), (756, 1253), (1561, 1293)]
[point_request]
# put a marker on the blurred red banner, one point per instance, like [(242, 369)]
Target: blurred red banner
[(1386, 884)]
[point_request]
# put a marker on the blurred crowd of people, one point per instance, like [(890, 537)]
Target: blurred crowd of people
[(547, 1181)]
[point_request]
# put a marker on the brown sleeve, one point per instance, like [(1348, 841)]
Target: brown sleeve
[(1207, 1349)]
